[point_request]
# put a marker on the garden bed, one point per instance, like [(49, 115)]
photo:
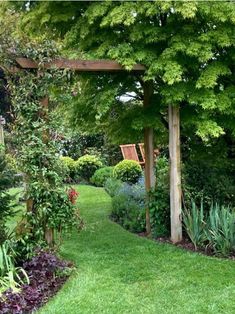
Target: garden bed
[(187, 245), (47, 273)]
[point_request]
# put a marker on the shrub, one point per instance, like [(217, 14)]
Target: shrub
[(68, 167), (129, 202), (12, 163), (160, 200), (128, 207), (128, 171), (101, 175), (112, 186), (215, 184), (87, 165), (6, 181)]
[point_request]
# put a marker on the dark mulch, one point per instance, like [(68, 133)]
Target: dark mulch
[(186, 245), (47, 273)]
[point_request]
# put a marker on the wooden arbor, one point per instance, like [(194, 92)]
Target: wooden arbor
[(174, 133)]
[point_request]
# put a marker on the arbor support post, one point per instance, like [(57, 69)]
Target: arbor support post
[(175, 174), (49, 232), (150, 178), (2, 123)]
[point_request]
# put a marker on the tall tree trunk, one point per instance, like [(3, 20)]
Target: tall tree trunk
[(175, 174), (150, 178)]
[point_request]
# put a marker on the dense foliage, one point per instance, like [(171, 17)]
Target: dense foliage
[(68, 168), (87, 165), (48, 206), (129, 202), (187, 49), (128, 207), (6, 181), (101, 175), (128, 171)]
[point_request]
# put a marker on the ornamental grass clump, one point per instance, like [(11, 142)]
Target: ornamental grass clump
[(215, 231), (220, 231), (194, 224)]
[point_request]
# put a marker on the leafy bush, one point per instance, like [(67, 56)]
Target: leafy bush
[(12, 163), (68, 167), (215, 184), (6, 179), (128, 171), (194, 224), (129, 202), (128, 207), (101, 175), (159, 204), (220, 231), (87, 165), (112, 186), (58, 212)]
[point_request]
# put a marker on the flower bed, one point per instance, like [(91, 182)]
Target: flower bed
[(47, 273)]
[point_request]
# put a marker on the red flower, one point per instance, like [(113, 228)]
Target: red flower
[(73, 195)]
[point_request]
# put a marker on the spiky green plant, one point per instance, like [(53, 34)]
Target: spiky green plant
[(194, 224), (11, 277), (220, 230)]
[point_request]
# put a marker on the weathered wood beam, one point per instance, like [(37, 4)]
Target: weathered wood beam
[(80, 65), (175, 174), (150, 178)]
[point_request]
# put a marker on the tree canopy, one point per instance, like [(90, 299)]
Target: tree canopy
[(187, 48)]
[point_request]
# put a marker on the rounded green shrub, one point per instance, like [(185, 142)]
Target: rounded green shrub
[(128, 171), (87, 165), (68, 166), (101, 175)]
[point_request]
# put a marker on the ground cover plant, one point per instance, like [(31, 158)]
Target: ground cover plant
[(119, 272), (46, 274)]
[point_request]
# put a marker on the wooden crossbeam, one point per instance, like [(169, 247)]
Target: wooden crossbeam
[(80, 65)]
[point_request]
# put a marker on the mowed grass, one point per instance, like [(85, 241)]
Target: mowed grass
[(18, 207), (119, 272)]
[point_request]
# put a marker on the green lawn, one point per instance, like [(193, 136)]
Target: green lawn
[(18, 208), (119, 272)]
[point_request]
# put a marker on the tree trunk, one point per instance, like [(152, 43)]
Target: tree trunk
[(175, 174), (150, 178)]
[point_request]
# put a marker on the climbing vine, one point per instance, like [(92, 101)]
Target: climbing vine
[(48, 205)]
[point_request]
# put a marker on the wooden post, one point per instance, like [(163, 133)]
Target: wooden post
[(150, 178), (175, 174), (2, 123), (49, 232)]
